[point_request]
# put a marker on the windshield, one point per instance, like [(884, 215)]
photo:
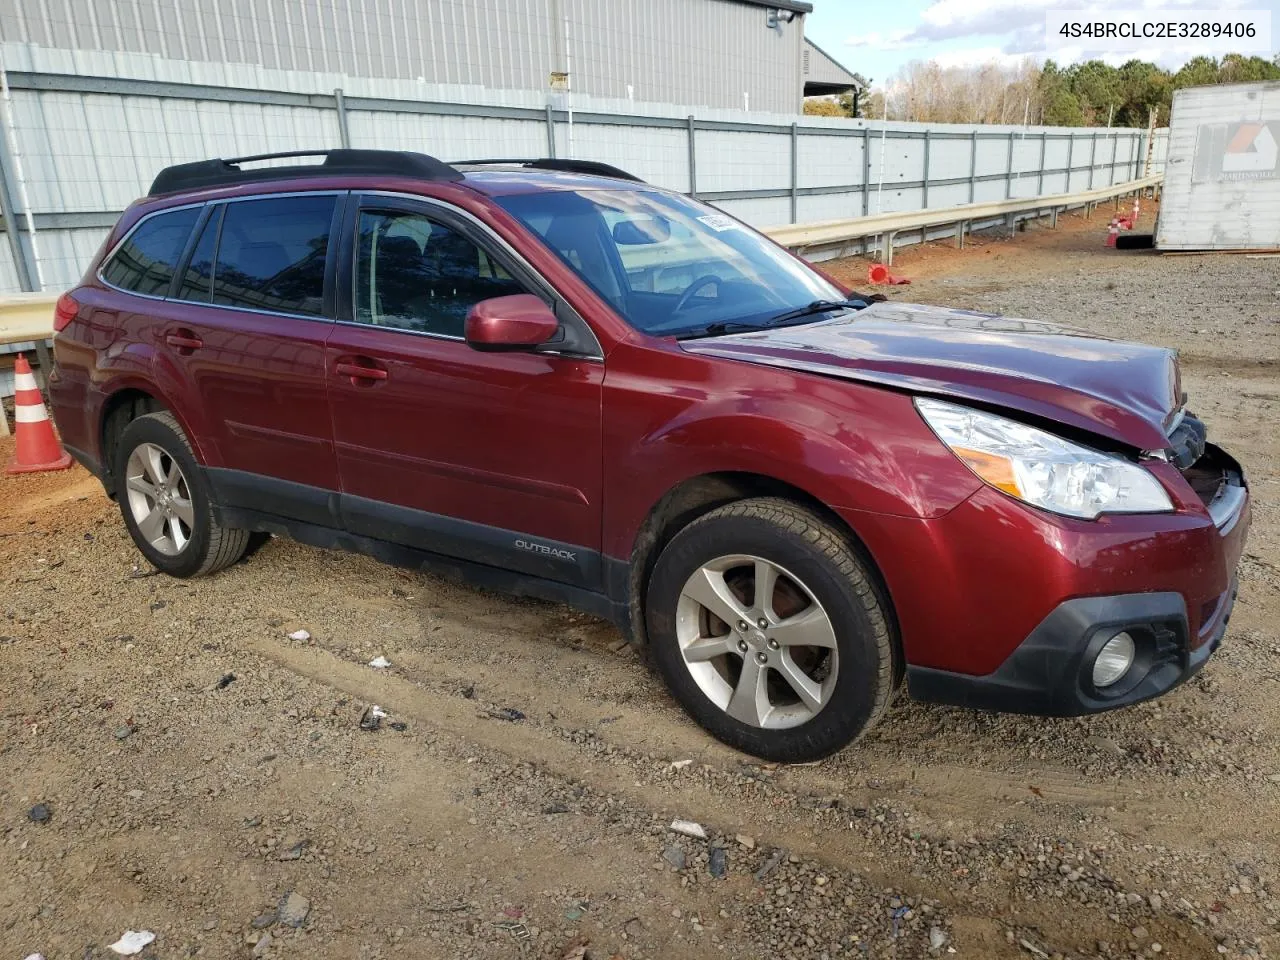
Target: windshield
[(670, 265)]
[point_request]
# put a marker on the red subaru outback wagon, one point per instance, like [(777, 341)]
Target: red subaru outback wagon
[(551, 378)]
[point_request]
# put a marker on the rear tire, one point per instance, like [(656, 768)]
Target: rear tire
[(164, 499), (792, 673)]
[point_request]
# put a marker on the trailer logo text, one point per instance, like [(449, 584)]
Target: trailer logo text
[(1237, 151)]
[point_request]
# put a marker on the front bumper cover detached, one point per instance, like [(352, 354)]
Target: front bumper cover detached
[(1050, 672)]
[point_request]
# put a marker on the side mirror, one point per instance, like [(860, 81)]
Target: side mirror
[(518, 322)]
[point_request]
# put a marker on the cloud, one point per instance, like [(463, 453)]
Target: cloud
[(958, 19), (977, 56), (1008, 31), (884, 41), (953, 19), (1027, 40), (1172, 61)]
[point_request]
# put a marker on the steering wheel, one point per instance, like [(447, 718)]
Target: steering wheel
[(703, 281)]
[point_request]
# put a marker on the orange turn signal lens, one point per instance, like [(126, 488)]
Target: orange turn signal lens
[(997, 471)]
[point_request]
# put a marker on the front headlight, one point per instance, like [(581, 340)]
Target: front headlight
[(1042, 469)]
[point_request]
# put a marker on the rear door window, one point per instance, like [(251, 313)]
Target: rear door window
[(271, 254), (145, 262)]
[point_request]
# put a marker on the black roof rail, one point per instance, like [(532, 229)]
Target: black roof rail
[(593, 167), (220, 173)]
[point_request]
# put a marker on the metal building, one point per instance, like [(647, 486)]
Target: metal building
[(823, 74), (740, 54), (1222, 177)]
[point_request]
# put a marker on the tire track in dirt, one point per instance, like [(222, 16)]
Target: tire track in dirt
[(719, 800)]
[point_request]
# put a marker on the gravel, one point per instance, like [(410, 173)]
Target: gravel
[(260, 812), (294, 909)]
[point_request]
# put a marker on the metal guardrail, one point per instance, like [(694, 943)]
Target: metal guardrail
[(832, 236), (26, 317)]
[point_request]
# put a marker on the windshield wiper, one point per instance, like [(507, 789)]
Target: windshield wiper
[(721, 327), (717, 329), (817, 306)]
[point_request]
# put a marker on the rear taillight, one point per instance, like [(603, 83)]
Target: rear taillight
[(64, 311)]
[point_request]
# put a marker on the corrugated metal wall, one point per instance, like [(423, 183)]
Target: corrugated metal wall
[(93, 129), (1222, 182), (703, 52), (817, 66)]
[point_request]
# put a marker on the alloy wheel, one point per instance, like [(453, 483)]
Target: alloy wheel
[(757, 641), (159, 499)]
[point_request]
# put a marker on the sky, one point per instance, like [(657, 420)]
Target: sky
[(877, 39)]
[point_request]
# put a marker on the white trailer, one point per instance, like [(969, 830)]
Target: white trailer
[(1222, 178)]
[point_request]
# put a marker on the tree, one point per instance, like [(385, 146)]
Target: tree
[(1237, 68), (872, 105), (824, 107), (1097, 87), (1196, 72), (851, 100), (1141, 86), (989, 93), (1083, 94), (847, 104), (1059, 106)]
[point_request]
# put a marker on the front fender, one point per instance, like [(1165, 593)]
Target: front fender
[(848, 445)]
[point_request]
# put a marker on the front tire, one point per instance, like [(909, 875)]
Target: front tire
[(165, 501), (768, 629)]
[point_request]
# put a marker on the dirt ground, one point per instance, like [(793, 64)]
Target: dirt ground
[(206, 777)]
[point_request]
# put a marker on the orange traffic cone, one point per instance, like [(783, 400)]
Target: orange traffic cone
[(1112, 231), (38, 448), (879, 274)]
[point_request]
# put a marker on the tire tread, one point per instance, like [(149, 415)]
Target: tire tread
[(838, 549), (226, 544)]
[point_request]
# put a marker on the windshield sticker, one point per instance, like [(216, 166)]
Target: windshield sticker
[(719, 222)]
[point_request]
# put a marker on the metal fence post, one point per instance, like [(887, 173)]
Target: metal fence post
[(340, 103), (693, 159), (1044, 146), (973, 167), (866, 171), (924, 199), (551, 132), (795, 172), (1093, 156), (1008, 180), (21, 263)]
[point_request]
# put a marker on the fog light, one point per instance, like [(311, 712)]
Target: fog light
[(1114, 660)]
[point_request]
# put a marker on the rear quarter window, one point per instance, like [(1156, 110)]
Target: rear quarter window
[(146, 260)]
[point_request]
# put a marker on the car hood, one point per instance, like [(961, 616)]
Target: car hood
[(1126, 391)]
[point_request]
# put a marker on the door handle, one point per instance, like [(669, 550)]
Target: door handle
[(184, 341), (358, 371)]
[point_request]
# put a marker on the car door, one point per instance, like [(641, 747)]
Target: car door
[(489, 457), (246, 324)]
